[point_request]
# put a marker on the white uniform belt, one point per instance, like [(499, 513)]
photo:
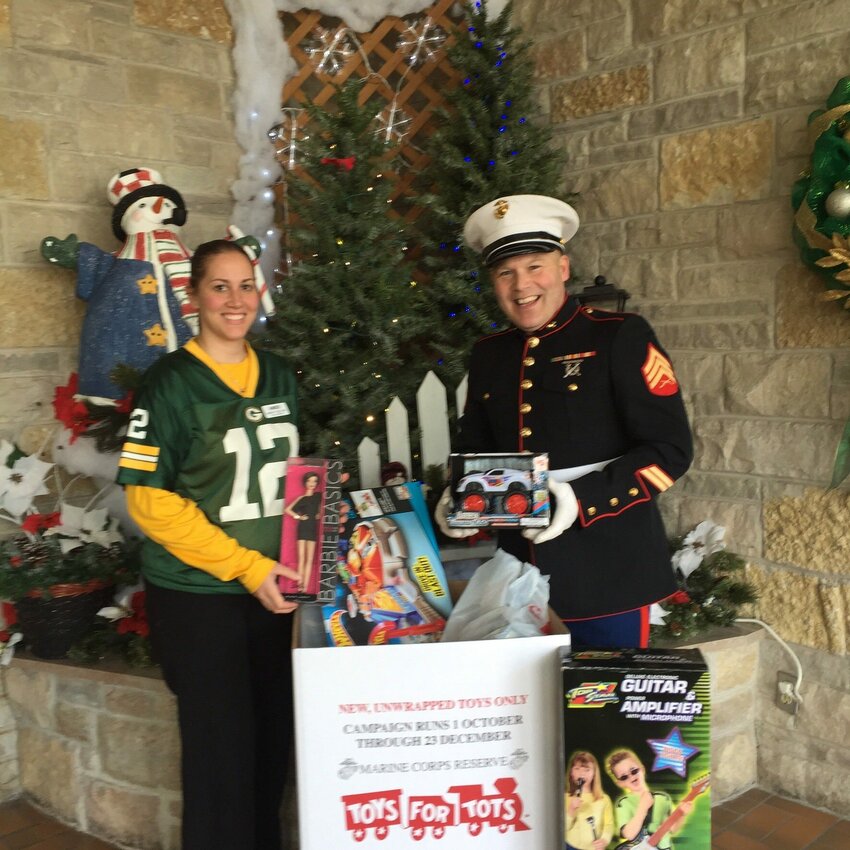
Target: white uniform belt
[(573, 472)]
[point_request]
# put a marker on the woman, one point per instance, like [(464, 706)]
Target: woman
[(306, 511), (203, 462), (587, 809), (641, 812)]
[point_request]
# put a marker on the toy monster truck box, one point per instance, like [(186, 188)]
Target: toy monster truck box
[(454, 745), (642, 717), (499, 490)]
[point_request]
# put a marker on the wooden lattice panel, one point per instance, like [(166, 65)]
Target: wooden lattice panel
[(417, 89)]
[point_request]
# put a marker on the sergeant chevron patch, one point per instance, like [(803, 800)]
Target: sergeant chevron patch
[(658, 373)]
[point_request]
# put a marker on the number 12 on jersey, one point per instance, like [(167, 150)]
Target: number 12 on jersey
[(237, 442)]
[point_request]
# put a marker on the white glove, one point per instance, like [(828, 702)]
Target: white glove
[(566, 511), (443, 507)]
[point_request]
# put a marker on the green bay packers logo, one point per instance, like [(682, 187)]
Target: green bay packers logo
[(253, 414)]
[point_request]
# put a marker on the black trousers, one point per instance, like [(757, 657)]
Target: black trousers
[(228, 662)]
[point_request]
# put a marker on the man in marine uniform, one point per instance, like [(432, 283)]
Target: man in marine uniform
[(594, 389)]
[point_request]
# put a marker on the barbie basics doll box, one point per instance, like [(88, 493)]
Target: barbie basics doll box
[(636, 744), (308, 544)]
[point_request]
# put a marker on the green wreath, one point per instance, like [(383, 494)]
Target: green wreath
[(821, 200)]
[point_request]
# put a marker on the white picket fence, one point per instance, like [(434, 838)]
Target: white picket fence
[(434, 437)]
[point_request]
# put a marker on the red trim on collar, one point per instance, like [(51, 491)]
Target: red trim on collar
[(594, 314), (561, 321)]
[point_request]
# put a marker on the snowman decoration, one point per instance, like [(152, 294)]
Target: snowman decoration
[(138, 299), (138, 309)]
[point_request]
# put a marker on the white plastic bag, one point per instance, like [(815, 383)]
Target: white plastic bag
[(505, 598)]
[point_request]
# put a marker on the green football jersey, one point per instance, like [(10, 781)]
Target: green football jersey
[(194, 436)]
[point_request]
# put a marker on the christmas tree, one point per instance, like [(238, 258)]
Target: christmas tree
[(351, 315), (486, 146)]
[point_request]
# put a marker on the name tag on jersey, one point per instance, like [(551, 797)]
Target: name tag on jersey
[(279, 408)]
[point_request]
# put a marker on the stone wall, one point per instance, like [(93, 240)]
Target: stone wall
[(805, 755), (683, 125), (87, 89), (99, 750)]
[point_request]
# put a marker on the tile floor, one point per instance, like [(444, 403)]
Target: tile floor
[(756, 820)]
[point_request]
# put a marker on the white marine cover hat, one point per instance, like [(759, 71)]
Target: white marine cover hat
[(520, 224)]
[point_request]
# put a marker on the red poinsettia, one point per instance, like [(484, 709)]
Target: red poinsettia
[(125, 404), (70, 411), (76, 415), (680, 597), (137, 622), (344, 162), (38, 522), (10, 613)]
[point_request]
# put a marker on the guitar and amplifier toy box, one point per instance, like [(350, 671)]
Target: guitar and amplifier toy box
[(636, 743), (500, 490)]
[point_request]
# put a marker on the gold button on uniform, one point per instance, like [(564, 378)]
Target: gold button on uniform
[(533, 342), (525, 432), (591, 511), (486, 396), (551, 325), (614, 502), (525, 408), (572, 387), (528, 361), (634, 491), (526, 384)]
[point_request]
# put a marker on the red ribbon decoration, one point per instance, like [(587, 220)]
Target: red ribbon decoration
[(340, 162)]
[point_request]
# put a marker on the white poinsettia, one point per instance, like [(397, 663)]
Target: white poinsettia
[(702, 541), (7, 649), (114, 612), (21, 482), (657, 614), (123, 604), (78, 526)]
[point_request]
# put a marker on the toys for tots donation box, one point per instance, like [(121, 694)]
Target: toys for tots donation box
[(400, 746), (642, 719)]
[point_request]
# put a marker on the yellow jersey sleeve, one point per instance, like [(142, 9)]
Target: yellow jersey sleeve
[(180, 526)]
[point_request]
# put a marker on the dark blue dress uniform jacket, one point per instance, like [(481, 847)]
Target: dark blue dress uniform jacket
[(588, 387)]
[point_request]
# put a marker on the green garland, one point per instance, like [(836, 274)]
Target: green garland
[(35, 565)]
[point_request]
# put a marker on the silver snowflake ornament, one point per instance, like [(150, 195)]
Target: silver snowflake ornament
[(287, 136), (330, 50), (392, 123), (421, 41)]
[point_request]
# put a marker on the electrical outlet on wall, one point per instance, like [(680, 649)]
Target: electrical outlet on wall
[(786, 696)]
